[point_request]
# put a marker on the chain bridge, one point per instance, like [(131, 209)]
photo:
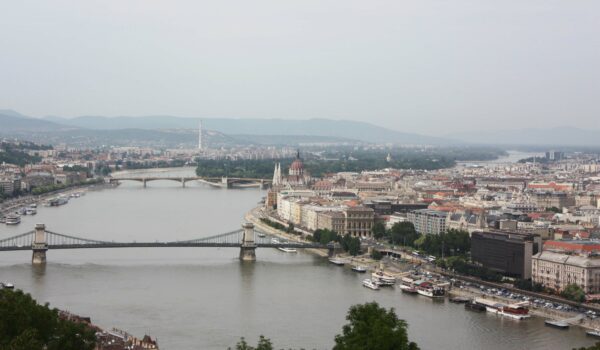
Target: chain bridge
[(41, 240)]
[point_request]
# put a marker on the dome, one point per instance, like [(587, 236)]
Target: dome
[(297, 165)]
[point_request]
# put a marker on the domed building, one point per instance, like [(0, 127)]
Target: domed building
[(296, 175)]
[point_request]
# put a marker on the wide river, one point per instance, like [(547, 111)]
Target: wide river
[(205, 298)]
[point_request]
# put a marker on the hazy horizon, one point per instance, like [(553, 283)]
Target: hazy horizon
[(428, 67)]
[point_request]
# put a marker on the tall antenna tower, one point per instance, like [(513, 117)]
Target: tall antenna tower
[(200, 135)]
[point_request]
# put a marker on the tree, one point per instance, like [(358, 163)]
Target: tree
[(378, 230), (573, 292), (372, 327), (263, 344), (26, 325), (403, 233)]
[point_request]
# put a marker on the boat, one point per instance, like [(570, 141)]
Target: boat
[(408, 286), (13, 220), (430, 290), (360, 269), (21, 211), (594, 333), (518, 311), (473, 306), (33, 205), (261, 235), (275, 241), (459, 300), (6, 285), (383, 279), (2, 220), (287, 250), (370, 284), (337, 261), (556, 324), (30, 211)]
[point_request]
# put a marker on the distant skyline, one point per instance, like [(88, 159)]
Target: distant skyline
[(430, 67)]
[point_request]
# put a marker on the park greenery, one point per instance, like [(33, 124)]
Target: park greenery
[(347, 159), (573, 292), (449, 243), (369, 327), (27, 325), (461, 265), (593, 347), (347, 242)]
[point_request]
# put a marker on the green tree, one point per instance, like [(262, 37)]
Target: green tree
[(372, 327), (27, 325), (403, 233), (378, 230), (263, 344), (573, 292), (593, 347)]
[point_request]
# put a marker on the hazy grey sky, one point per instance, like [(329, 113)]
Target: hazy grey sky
[(423, 66)]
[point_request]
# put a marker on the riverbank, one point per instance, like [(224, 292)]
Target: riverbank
[(12, 205)]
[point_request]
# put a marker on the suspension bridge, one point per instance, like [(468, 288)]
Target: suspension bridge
[(41, 240)]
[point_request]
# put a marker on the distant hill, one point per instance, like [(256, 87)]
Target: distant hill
[(312, 127), (565, 136), (12, 122)]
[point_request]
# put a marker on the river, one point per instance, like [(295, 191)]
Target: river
[(205, 298)]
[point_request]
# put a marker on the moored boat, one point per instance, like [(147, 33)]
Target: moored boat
[(337, 261), (360, 269), (13, 220), (473, 306), (459, 300), (4, 285), (430, 290), (518, 311), (556, 324), (408, 285), (594, 333), (30, 211), (370, 284), (261, 235), (383, 279)]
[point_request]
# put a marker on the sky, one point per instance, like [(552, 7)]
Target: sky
[(428, 66)]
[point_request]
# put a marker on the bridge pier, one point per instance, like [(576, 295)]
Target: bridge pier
[(144, 182), (39, 245), (248, 248), (183, 182)]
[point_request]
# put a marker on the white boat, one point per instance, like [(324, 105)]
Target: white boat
[(7, 286), (13, 220), (518, 311), (358, 268), (261, 235), (33, 205), (408, 286), (288, 250), (370, 284), (430, 290), (594, 333), (337, 261), (275, 240), (383, 278), (30, 211)]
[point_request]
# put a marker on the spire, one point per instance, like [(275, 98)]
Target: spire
[(200, 135), (297, 154)]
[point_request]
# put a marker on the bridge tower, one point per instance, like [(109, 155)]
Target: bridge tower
[(39, 245), (248, 248)]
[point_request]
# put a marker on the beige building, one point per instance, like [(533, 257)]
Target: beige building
[(359, 221), (558, 269), (333, 221)]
